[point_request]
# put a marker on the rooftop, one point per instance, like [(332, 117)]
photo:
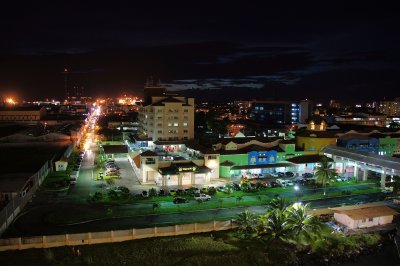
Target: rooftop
[(367, 212), (303, 159), (112, 149), (362, 156)]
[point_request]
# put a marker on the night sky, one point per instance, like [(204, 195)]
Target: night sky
[(320, 51)]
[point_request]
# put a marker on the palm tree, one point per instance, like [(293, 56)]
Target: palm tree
[(247, 223), (239, 199), (302, 224), (277, 203), (325, 172), (274, 225)]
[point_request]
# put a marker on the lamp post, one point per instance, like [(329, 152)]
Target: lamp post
[(297, 192)]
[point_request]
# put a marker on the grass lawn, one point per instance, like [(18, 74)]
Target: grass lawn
[(110, 208)]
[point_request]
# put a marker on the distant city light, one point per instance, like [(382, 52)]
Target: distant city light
[(11, 101)]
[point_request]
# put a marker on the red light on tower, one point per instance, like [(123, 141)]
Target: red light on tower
[(65, 69)]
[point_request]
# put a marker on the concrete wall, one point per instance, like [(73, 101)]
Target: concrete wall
[(353, 224), (111, 236)]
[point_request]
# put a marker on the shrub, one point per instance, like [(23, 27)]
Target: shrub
[(152, 192), (97, 196), (113, 195), (212, 191)]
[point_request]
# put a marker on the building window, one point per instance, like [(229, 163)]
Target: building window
[(370, 219), (160, 131), (212, 157), (176, 124), (185, 110), (185, 124), (185, 131)]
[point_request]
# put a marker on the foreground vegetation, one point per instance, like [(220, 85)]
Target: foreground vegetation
[(217, 248)]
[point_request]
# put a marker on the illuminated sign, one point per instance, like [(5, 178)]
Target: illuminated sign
[(187, 169)]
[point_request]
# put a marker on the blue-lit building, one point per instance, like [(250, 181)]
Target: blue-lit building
[(359, 142), (280, 112)]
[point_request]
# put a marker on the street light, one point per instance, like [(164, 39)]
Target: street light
[(296, 187)]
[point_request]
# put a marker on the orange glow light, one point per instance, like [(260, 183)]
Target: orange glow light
[(10, 101)]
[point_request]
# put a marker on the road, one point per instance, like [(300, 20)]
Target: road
[(32, 223)]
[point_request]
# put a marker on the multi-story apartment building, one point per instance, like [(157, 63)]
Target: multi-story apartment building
[(280, 112), (168, 118), (391, 108)]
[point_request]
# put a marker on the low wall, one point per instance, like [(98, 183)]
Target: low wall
[(111, 236)]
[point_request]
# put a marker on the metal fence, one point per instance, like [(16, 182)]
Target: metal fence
[(111, 236)]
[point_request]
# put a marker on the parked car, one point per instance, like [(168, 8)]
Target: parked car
[(236, 186), (281, 174), (275, 184), (180, 200), (221, 189), (289, 174), (202, 197), (387, 191), (289, 183), (308, 175)]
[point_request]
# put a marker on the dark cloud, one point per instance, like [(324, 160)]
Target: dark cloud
[(318, 49)]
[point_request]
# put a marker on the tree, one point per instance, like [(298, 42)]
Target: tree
[(325, 172), (247, 223), (239, 199), (301, 224), (228, 188), (277, 203), (274, 225)]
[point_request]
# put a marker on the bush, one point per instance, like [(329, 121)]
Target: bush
[(341, 247), (152, 192), (212, 191), (113, 195), (97, 196)]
